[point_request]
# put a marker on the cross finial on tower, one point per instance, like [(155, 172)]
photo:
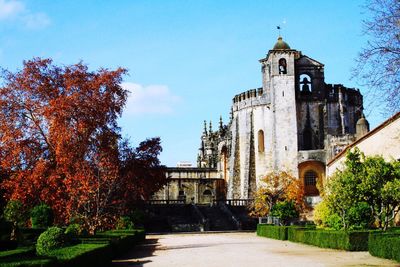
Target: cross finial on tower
[(279, 30)]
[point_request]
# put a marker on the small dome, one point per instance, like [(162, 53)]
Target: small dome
[(281, 45)]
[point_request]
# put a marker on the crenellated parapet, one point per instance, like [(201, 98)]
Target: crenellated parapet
[(250, 98), (351, 95)]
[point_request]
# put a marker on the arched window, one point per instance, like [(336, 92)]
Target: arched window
[(282, 66), (207, 192), (305, 84), (307, 139), (310, 178), (261, 141)]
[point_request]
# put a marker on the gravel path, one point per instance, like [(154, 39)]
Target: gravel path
[(238, 249)]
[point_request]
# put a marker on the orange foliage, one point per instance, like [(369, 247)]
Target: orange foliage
[(277, 186), (60, 143)]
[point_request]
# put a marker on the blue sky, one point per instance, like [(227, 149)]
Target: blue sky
[(187, 58)]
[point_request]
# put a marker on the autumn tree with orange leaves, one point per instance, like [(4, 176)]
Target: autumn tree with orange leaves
[(277, 186), (60, 143)]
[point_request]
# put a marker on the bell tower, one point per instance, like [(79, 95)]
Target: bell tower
[(278, 71)]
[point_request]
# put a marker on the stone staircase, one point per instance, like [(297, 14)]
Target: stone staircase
[(171, 218), (242, 214), (217, 219), (196, 218)]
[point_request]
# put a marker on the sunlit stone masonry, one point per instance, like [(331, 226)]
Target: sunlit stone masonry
[(294, 122)]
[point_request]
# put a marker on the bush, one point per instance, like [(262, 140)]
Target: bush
[(346, 240), (272, 231), (41, 216), (285, 211), (51, 239), (325, 217), (73, 230), (137, 217), (124, 223), (384, 245)]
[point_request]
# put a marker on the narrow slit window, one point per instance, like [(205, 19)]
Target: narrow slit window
[(261, 147)]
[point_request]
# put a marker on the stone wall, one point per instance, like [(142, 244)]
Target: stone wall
[(193, 185), (384, 140)]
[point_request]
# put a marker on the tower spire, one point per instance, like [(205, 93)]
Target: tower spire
[(205, 128)]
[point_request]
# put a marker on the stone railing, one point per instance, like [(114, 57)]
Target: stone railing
[(236, 202), (165, 202)]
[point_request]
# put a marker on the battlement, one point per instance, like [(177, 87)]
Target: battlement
[(352, 95), (250, 98), (248, 94)]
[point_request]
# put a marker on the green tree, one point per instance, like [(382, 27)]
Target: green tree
[(15, 213), (369, 180), (41, 216), (380, 188), (341, 195)]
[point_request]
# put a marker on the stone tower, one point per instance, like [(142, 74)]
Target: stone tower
[(278, 71), (295, 123)]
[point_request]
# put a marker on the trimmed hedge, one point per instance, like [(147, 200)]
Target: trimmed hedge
[(84, 255), (351, 240), (120, 240), (272, 231), (24, 256), (97, 250), (384, 245)]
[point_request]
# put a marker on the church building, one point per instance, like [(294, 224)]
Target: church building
[(294, 122)]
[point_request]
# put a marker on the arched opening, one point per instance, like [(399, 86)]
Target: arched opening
[(207, 196), (224, 162), (207, 192), (310, 178), (282, 66), (305, 84), (181, 195), (261, 146), (311, 173)]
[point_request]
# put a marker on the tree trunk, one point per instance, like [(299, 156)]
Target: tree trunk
[(14, 229)]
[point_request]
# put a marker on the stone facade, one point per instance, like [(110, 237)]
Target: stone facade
[(295, 122), (383, 140), (192, 185)]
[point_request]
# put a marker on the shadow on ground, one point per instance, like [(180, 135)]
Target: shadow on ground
[(134, 257)]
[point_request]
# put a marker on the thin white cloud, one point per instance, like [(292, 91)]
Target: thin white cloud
[(36, 20), (10, 8), (151, 99), (16, 10)]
